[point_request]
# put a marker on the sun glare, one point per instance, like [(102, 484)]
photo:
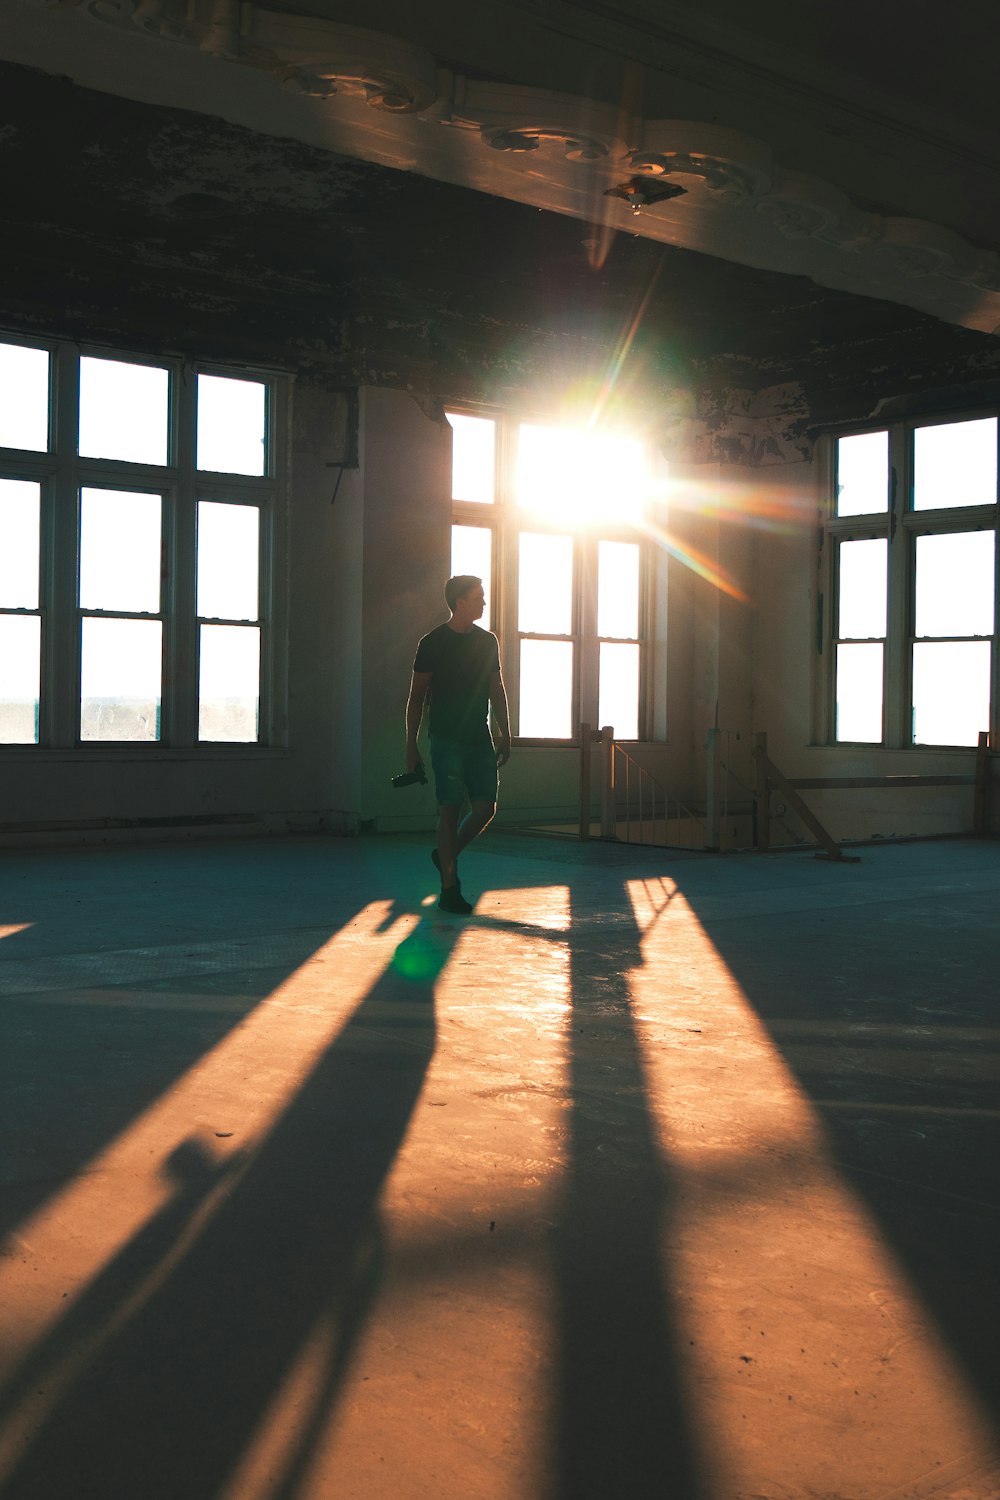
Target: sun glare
[(571, 477)]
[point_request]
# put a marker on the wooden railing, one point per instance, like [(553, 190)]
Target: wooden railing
[(635, 807), (768, 778)]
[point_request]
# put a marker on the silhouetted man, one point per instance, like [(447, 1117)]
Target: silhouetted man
[(458, 667)]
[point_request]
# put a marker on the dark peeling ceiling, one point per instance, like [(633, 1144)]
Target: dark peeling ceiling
[(130, 221)]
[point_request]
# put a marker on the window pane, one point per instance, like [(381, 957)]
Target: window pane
[(19, 544), (618, 697), (124, 411), (859, 693), (546, 697), (471, 552), (617, 591), (20, 658), (229, 683), (951, 692), (863, 474), (120, 550), (228, 561), (473, 458), (955, 464), (863, 583), (24, 398), (545, 584), (572, 477), (120, 679), (955, 585), (232, 425)]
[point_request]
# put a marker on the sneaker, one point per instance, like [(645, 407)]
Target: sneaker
[(453, 900)]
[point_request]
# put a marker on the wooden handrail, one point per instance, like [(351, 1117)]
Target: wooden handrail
[(767, 775)]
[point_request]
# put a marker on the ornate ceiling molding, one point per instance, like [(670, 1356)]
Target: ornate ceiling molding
[(391, 103)]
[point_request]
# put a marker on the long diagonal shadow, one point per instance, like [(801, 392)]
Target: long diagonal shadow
[(182, 1375), (624, 1427), (886, 1018)]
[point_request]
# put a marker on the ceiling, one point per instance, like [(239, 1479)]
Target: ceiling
[(854, 145)]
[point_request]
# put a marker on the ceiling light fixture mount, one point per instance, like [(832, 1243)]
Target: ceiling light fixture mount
[(640, 192)]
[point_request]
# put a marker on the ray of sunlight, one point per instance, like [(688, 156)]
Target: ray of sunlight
[(444, 1196), (115, 1194), (797, 1312)]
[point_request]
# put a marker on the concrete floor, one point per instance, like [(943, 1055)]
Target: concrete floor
[(661, 1176)]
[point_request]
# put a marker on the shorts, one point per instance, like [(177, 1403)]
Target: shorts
[(461, 769)]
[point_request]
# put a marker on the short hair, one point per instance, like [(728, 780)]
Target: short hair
[(456, 588)]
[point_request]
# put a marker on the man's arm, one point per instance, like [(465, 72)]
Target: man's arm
[(501, 718), (419, 683)]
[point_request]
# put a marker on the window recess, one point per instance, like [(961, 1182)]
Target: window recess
[(138, 520), (551, 518), (912, 567)]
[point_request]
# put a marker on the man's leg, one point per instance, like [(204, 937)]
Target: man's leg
[(480, 774), (447, 843), (480, 814)]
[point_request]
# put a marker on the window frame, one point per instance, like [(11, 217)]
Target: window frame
[(62, 474), (901, 526), (503, 518)]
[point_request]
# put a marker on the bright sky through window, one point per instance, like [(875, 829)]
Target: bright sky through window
[(114, 498), (24, 398), (471, 552), (925, 569), (228, 561), (863, 474), (20, 672), (955, 463), (19, 543), (473, 458), (124, 411), (232, 425), (119, 551)]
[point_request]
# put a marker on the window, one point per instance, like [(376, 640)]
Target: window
[(552, 520), (912, 532), (138, 503)]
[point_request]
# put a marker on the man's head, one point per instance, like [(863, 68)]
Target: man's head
[(456, 588), (465, 598)]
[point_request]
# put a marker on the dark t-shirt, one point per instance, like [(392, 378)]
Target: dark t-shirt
[(461, 664)]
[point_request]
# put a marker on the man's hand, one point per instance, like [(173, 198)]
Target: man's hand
[(413, 758), (503, 750)]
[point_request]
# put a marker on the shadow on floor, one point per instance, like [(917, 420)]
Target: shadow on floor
[(623, 1425), (887, 1016), (182, 1346)]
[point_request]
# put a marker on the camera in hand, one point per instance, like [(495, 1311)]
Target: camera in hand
[(411, 778)]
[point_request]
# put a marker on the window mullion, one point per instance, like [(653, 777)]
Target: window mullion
[(587, 646), (180, 707), (60, 713), (898, 653), (505, 594)]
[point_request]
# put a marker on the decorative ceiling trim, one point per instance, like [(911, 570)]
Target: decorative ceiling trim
[(391, 103)]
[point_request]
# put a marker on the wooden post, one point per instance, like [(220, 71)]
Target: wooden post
[(585, 781), (712, 828), (981, 799), (608, 830), (761, 795)]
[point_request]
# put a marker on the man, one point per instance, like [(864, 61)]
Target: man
[(458, 666)]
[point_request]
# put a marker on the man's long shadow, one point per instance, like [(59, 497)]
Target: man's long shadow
[(623, 1422), (77, 1075), (174, 1395)]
